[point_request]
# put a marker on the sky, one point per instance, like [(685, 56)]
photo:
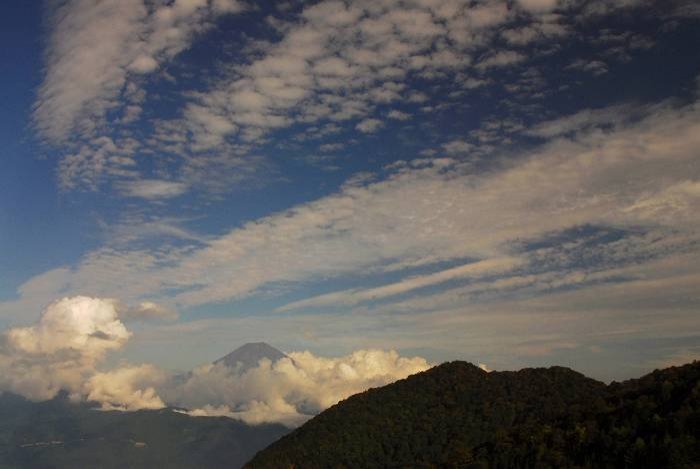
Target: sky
[(509, 182)]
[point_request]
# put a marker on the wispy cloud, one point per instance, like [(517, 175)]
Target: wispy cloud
[(96, 51), (449, 212), (355, 296)]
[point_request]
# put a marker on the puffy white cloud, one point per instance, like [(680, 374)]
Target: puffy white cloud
[(334, 62), (369, 126), (62, 351), (290, 390), (143, 64), (129, 387), (338, 61)]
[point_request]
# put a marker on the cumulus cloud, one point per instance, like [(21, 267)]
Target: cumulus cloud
[(62, 349), (291, 390), (129, 387), (369, 126), (62, 352)]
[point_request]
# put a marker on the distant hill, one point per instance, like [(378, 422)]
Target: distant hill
[(249, 355), (61, 434), (458, 416)]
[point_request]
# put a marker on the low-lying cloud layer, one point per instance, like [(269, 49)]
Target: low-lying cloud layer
[(292, 389), (63, 351)]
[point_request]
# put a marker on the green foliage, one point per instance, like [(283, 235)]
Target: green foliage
[(458, 416), (60, 434)]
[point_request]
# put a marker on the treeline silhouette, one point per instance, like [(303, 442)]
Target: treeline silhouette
[(458, 416)]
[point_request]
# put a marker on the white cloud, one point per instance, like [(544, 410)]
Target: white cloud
[(63, 349), (339, 61), (595, 67), (126, 388), (355, 296), (457, 147), (583, 121), (612, 178), (143, 64), (538, 6), (291, 390), (500, 59), (95, 160), (147, 310), (334, 63), (153, 188), (398, 115), (93, 47), (369, 125)]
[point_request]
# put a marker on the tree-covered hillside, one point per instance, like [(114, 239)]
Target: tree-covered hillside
[(60, 434), (456, 415)]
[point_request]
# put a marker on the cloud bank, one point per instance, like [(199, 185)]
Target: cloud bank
[(291, 390), (64, 349)]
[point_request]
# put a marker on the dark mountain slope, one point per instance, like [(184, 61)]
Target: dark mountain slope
[(60, 434), (456, 415)]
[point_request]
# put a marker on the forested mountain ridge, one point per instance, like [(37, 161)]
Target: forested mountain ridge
[(62, 434), (457, 415)]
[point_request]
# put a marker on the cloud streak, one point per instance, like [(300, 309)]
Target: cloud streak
[(573, 180), (97, 50), (497, 266)]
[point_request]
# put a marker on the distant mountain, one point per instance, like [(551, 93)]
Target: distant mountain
[(458, 416), (61, 434), (249, 355), (242, 359)]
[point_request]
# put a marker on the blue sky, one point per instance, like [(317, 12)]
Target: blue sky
[(508, 182)]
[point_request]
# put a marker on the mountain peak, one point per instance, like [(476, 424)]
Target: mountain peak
[(249, 355)]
